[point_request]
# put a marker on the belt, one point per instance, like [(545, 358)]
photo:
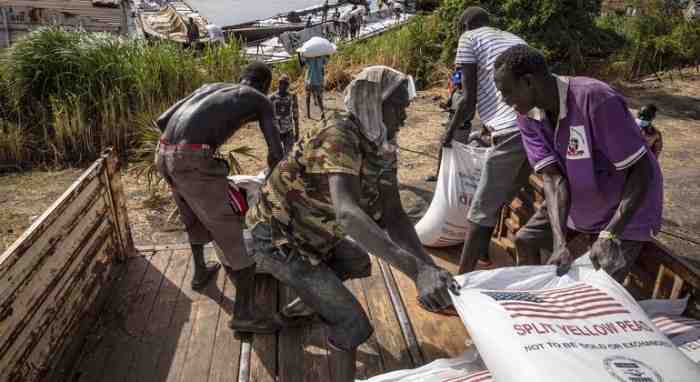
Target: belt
[(165, 146)]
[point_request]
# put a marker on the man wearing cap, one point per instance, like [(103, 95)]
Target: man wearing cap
[(193, 129), (600, 180), (505, 168), (286, 109)]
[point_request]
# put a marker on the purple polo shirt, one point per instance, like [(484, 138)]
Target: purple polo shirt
[(595, 141)]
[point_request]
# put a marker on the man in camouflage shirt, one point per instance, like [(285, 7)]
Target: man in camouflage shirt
[(339, 181), (286, 109)]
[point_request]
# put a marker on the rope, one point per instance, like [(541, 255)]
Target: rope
[(419, 153)]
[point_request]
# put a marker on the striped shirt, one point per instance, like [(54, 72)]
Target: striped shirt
[(482, 46)]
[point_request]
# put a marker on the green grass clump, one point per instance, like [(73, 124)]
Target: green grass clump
[(66, 94)]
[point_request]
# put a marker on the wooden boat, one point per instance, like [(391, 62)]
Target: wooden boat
[(80, 302), (169, 22)]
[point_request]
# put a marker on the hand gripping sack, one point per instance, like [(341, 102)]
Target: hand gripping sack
[(530, 325), (445, 222), (316, 47)]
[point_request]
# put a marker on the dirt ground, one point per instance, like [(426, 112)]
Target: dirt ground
[(23, 197)]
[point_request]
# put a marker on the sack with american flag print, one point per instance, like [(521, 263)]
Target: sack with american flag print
[(531, 325), (668, 317), (468, 367)]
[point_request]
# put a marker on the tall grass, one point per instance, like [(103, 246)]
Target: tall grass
[(66, 94)]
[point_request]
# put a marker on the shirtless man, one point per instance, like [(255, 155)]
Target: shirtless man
[(193, 129)]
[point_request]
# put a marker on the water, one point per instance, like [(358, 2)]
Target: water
[(231, 12)]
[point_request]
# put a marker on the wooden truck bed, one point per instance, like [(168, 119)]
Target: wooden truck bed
[(78, 302), (155, 328)]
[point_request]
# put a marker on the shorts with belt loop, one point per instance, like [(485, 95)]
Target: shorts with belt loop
[(506, 170), (200, 188)]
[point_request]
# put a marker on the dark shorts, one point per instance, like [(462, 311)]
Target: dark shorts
[(538, 233), (321, 286), (200, 189), (314, 89)]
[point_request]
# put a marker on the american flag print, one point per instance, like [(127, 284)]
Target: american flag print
[(481, 376), (675, 325), (578, 301)]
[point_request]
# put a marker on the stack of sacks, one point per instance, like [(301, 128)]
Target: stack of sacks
[(531, 325)]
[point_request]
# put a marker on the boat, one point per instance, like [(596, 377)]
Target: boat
[(282, 47), (169, 22)]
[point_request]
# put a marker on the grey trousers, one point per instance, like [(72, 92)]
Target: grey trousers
[(506, 170)]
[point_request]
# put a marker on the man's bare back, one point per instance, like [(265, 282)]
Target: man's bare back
[(213, 113)]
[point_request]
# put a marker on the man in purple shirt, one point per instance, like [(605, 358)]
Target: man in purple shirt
[(599, 179)]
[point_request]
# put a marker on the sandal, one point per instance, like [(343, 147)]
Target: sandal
[(449, 311)]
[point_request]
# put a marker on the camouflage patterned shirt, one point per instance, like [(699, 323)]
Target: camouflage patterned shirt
[(296, 199)]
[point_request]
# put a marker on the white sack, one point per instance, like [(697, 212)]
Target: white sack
[(251, 183), (316, 47), (462, 368), (445, 222), (530, 325), (682, 331)]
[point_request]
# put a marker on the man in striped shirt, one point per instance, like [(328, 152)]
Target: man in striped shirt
[(506, 168)]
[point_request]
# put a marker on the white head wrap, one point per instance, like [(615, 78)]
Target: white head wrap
[(365, 95)]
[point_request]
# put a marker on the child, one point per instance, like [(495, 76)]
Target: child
[(646, 116), (286, 111)]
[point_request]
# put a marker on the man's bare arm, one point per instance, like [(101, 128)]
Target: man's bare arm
[(295, 113), (633, 195), (431, 281), (272, 135), (345, 191), (466, 107), (556, 191), (399, 227)]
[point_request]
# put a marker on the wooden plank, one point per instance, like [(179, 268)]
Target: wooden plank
[(439, 336), (65, 336), (118, 199), (64, 370), (227, 348), (134, 344), (263, 355), (19, 267), (30, 237), (103, 339), (47, 335), (369, 360), (156, 332), (33, 300), (678, 284), (664, 283), (173, 356), (687, 271), (153, 322), (199, 354), (291, 345)]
